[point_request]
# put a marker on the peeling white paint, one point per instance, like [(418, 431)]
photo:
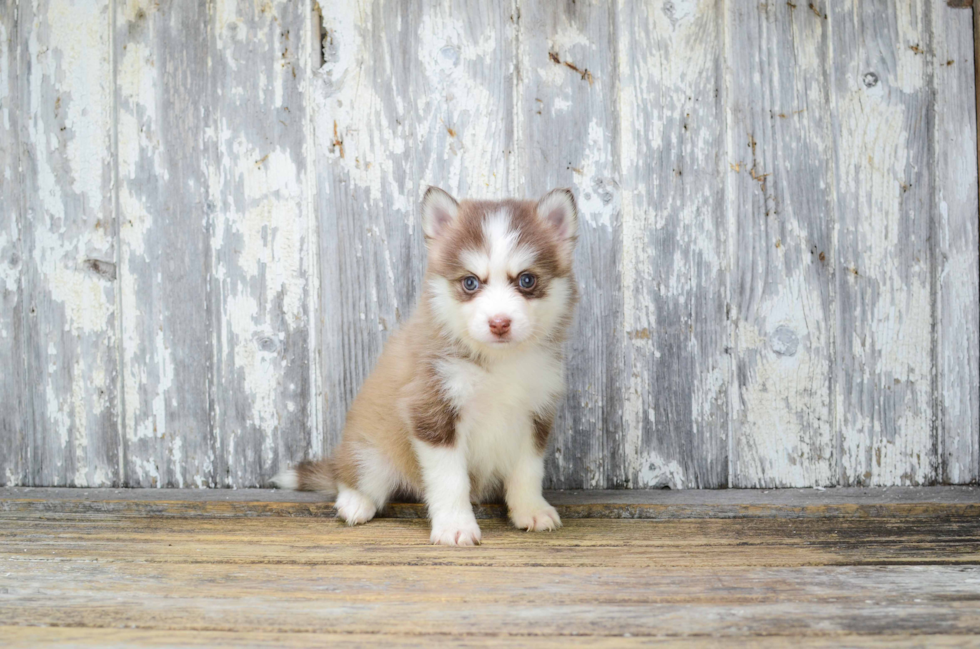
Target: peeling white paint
[(657, 472), (67, 120), (785, 440), (458, 95), (451, 126), (599, 200), (886, 427), (82, 57)]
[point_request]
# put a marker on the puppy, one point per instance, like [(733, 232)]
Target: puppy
[(462, 400)]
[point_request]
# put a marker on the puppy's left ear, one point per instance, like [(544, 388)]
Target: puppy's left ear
[(557, 210), (439, 210)]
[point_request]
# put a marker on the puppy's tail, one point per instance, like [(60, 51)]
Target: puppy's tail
[(311, 475)]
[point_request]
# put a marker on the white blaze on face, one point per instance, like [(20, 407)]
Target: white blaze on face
[(496, 267)]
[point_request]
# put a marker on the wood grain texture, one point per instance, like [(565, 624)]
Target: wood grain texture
[(955, 210), (104, 638), (260, 239), (884, 119), (70, 252), (208, 229), (53, 503), (586, 543), (802, 581), (728, 602), (568, 138), (370, 246), (162, 75), (676, 424), (16, 418), (782, 253)]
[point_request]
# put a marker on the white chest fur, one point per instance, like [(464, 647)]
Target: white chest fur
[(496, 405)]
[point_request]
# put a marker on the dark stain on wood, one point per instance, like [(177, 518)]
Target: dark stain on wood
[(338, 142), (104, 269), (585, 74)]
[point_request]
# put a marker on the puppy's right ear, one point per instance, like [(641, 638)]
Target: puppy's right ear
[(439, 210)]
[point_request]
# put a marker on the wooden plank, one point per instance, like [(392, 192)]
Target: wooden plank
[(260, 241), (370, 246), (70, 256), (16, 419), (73, 637), (731, 603), (567, 116), (463, 86), (810, 539), (30, 636), (604, 545), (162, 73), (675, 238), (779, 139), (907, 502), (884, 120), (957, 245)]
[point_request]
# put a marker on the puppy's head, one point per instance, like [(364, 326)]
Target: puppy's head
[(500, 273)]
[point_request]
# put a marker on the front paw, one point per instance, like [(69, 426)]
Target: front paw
[(354, 507), (461, 530), (542, 518)]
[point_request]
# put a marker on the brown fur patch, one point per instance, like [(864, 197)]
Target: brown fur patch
[(542, 430), (314, 475), (535, 234), (466, 233), (433, 419)]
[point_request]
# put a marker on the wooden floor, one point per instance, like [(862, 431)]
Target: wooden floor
[(211, 569)]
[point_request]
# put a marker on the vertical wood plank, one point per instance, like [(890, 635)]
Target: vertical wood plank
[(883, 121), (16, 424), (161, 51), (567, 111), (780, 179), (370, 247), (463, 99), (259, 238), (675, 239), (70, 254), (957, 245)]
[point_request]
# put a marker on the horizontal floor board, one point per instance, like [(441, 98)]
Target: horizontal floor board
[(306, 532), (640, 504), (19, 637), (611, 543), (411, 601), (845, 585)]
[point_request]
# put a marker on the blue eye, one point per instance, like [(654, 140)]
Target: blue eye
[(470, 283), (527, 281)]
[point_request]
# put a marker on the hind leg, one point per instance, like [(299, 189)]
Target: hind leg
[(377, 480)]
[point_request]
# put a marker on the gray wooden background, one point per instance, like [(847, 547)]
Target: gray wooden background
[(208, 227)]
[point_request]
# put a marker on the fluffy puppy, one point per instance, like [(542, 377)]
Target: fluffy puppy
[(462, 400)]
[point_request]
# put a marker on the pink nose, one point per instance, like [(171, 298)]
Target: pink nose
[(500, 325)]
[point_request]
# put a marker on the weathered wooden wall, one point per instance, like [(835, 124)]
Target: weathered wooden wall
[(208, 228)]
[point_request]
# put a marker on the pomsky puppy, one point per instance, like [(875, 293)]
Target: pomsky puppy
[(462, 400)]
